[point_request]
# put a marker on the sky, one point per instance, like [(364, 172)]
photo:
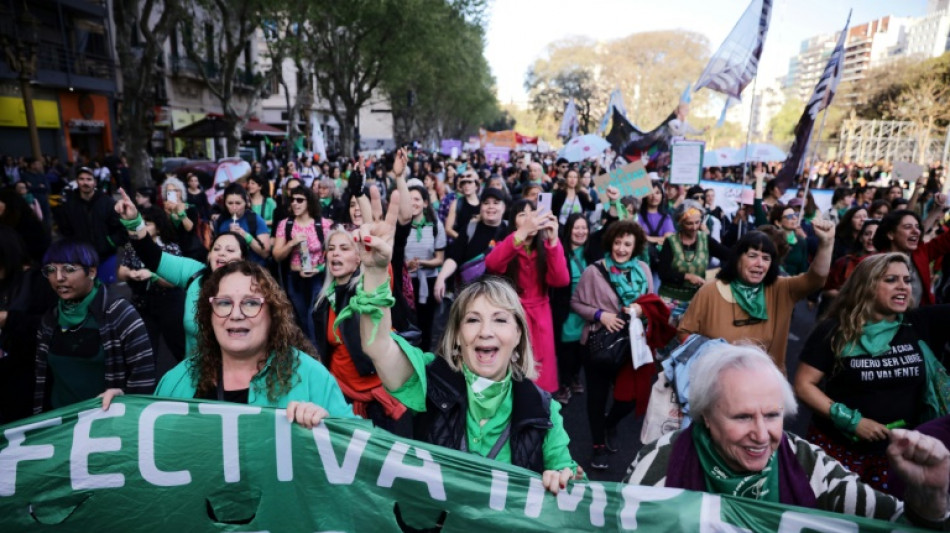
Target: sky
[(520, 30)]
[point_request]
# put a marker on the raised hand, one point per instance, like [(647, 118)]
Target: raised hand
[(375, 239), (824, 230), (125, 207), (400, 162)]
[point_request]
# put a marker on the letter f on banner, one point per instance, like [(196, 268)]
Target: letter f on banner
[(15, 452)]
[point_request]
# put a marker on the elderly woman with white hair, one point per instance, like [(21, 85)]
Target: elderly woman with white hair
[(737, 446), (184, 217)]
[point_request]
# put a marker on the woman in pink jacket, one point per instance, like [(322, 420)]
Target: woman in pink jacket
[(531, 257)]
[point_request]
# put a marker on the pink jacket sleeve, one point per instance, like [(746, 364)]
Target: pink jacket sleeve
[(496, 262), (557, 274)]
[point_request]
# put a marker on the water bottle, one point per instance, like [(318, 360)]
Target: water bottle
[(306, 265)]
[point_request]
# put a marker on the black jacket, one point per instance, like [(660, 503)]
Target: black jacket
[(93, 221), (443, 422)]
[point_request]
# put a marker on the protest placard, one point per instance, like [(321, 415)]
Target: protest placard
[(631, 179), (496, 153), (686, 162)]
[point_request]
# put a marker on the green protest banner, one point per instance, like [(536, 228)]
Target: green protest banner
[(631, 179), (150, 464)]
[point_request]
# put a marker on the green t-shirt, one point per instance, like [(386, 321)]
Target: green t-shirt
[(481, 438), (574, 325), (77, 364)]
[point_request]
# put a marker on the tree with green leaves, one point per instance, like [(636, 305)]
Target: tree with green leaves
[(141, 29)]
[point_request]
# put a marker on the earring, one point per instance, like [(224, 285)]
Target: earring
[(515, 356)]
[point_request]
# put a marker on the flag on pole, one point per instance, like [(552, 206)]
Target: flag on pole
[(569, 121), (615, 102), (634, 144), (736, 62), (820, 99)]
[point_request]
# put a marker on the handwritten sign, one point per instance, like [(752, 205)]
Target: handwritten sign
[(630, 179), (686, 162), (496, 153)]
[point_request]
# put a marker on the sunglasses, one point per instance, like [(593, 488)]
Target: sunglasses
[(250, 307), (68, 269), (298, 200), (466, 182), (790, 216)]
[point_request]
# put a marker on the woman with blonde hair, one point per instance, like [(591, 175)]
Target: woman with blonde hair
[(477, 395), (874, 354)]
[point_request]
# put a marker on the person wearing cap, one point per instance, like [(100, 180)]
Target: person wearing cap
[(685, 256), (466, 255), (466, 205), (88, 215)]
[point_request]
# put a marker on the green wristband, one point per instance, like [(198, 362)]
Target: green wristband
[(248, 238), (369, 304), (133, 225), (844, 418)]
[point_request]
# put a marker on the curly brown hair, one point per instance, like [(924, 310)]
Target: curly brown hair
[(625, 227), (283, 337)]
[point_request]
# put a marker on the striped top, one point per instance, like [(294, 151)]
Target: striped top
[(129, 362), (836, 489)]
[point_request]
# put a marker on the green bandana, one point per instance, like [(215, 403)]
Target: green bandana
[(791, 238), (484, 395), (630, 288), (418, 227), (751, 298), (325, 202), (29, 198), (875, 338), (73, 313), (363, 303), (721, 479)]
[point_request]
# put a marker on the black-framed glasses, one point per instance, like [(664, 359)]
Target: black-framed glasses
[(68, 269), (223, 307), (298, 200)]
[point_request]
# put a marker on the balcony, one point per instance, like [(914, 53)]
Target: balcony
[(186, 68)]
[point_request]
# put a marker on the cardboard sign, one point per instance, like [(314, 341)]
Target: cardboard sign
[(686, 162), (906, 171), (630, 179)]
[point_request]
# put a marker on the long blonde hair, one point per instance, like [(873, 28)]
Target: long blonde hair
[(499, 292), (854, 306)]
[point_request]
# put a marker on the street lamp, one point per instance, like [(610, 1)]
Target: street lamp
[(21, 56)]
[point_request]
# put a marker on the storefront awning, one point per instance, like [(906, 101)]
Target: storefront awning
[(213, 126)]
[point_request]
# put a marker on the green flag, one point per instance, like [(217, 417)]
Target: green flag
[(150, 464)]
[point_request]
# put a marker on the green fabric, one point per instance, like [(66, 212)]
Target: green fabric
[(630, 288), (77, 378), (937, 388), (574, 324), (485, 396), (481, 439), (721, 479), (325, 202), (791, 238), (844, 418), (695, 264), (177, 270), (133, 225), (266, 209), (418, 227), (312, 382), (73, 313), (363, 303), (875, 338), (621, 209), (751, 299)]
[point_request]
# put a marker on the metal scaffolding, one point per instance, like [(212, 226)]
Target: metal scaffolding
[(890, 140)]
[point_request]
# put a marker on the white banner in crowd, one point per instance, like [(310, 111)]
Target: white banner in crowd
[(728, 194)]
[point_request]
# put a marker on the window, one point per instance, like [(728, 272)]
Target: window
[(209, 43), (173, 41)]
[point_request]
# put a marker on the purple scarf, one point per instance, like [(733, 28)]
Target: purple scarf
[(685, 472)]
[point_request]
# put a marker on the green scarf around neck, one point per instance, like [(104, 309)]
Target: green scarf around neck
[(325, 202), (791, 238), (751, 299), (73, 313), (875, 338), (630, 288), (418, 227), (721, 479), (484, 395)]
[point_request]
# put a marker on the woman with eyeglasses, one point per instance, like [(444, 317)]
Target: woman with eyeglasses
[(785, 218), (466, 206), (251, 351), (182, 272), (870, 367), (749, 301), (93, 342), (300, 238)]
